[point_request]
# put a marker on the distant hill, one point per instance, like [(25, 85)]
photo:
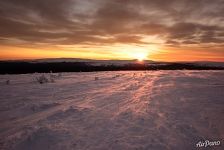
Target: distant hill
[(84, 65), (92, 61)]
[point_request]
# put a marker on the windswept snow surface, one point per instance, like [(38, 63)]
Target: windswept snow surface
[(112, 111)]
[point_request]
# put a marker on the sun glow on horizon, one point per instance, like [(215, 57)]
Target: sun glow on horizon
[(110, 52), (141, 56)]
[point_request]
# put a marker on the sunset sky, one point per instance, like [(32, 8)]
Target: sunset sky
[(160, 30)]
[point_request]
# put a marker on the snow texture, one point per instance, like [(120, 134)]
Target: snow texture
[(112, 110)]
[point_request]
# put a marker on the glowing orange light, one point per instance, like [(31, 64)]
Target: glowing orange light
[(141, 56)]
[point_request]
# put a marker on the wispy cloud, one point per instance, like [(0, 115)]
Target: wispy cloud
[(174, 23)]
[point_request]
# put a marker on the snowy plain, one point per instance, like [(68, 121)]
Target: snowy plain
[(124, 110)]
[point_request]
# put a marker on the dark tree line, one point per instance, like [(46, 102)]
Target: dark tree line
[(30, 67)]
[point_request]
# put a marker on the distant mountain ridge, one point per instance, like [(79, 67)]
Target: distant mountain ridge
[(114, 62), (88, 65), (123, 62), (91, 61)]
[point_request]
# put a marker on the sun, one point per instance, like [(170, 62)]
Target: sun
[(140, 56)]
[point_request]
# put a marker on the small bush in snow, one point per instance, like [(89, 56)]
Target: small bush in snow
[(53, 77), (7, 82), (116, 76), (42, 79), (47, 78)]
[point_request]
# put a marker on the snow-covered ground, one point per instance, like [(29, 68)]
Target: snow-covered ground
[(112, 111)]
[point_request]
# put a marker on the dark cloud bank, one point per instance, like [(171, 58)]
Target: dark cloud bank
[(65, 22)]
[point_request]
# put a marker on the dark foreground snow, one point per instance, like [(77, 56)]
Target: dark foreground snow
[(112, 111)]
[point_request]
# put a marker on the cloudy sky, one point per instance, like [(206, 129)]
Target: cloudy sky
[(167, 30)]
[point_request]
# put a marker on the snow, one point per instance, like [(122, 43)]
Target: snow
[(120, 110)]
